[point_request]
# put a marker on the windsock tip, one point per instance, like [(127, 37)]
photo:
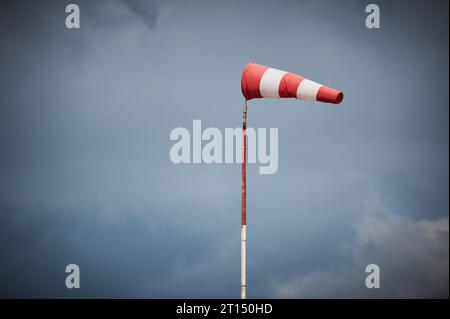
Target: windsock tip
[(329, 95)]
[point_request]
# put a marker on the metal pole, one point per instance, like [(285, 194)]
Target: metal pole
[(244, 204)]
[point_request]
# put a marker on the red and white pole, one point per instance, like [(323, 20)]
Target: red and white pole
[(244, 204)]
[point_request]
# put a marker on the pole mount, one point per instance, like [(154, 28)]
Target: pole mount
[(244, 115)]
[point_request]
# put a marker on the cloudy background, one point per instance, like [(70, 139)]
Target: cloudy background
[(86, 177)]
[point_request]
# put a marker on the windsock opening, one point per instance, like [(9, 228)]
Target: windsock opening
[(259, 81)]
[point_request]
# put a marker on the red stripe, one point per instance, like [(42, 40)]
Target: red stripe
[(289, 84), (251, 78), (327, 95), (244, 179)]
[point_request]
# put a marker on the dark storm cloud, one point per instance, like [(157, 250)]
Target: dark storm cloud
[(147, 11), (84, 138), (109, 251)]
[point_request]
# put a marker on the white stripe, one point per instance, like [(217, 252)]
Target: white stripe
[(270, 82), (307, 90), (243, 261)]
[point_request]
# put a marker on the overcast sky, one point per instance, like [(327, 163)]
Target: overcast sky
[(86, 177)]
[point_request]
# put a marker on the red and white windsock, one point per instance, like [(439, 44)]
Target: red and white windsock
[(259, 81)]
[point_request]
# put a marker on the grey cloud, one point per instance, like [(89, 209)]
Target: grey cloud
[(413, 257)]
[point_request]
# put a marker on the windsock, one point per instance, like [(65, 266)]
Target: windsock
[(259, 81)]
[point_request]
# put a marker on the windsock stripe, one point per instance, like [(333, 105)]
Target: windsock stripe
[(270, 83), (328, 95), (250, 81), (307, 90), (289, 85)]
